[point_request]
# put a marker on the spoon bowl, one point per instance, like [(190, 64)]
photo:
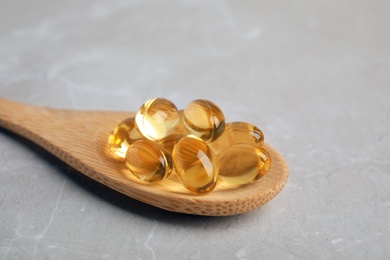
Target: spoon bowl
[(79, 138)]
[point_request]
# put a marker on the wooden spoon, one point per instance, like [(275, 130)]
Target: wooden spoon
[(79, 138)]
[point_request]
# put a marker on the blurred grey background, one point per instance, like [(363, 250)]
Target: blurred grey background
[(313, 75)]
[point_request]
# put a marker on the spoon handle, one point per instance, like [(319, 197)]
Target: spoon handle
[(22, 119), (62, 132), (73, 136), (37, 124)]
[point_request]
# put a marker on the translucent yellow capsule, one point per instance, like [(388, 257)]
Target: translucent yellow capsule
[(124, 134), (204, 119), (169, 141), (157, 118), (147, 161), (243, 163), (237, 133), (195, 164)]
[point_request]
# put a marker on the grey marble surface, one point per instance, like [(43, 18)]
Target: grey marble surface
[(313, 75)]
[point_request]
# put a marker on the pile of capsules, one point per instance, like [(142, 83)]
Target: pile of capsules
[(195, 143)]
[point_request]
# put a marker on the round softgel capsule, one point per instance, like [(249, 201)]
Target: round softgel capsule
[(195, 164), (236, 133), (169, 142), (243, 163), (147, 161), (123, 135), (204, 119), (157, 118)]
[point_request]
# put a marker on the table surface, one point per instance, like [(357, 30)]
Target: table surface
[(313, 75)]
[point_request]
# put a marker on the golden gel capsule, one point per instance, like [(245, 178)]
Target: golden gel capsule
[(195, 164), (236, 133), (147, 161), (204, 119), (170, 141), (124, 134), (243, 163), (157, 118)]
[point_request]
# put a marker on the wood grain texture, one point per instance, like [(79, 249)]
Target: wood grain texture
[(79, 138)]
